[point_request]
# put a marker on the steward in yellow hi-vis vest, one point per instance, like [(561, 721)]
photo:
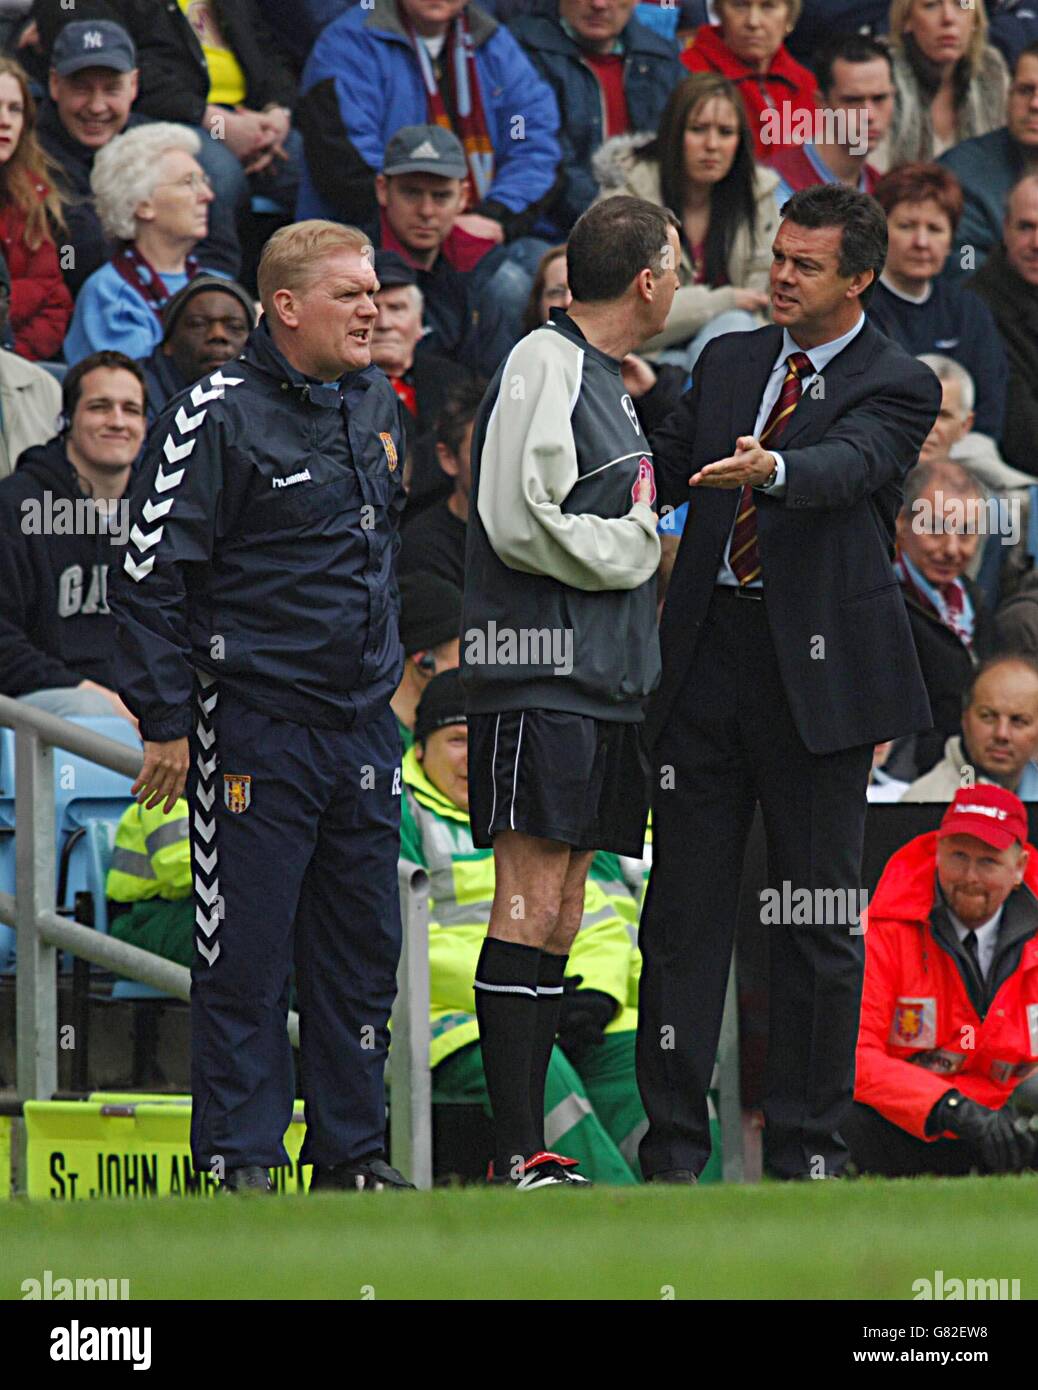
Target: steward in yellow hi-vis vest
[(592, 1107), (149, 882)]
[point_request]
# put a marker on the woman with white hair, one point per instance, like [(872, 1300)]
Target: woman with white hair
[(153, 198)]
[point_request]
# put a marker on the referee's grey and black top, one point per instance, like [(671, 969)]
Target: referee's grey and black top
[(560, 591)]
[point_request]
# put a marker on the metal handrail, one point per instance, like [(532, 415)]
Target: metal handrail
[(41, 932)]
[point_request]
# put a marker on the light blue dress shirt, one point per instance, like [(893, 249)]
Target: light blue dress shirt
[(820, 358)]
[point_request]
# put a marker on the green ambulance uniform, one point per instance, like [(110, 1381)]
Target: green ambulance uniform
[(151, 871), (593, 1111)]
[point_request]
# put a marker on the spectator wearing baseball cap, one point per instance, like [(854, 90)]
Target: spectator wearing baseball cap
[(377, 69), (999, 738), (421, 377), (93, 84), (204, 325), (221, 72), (430, 628), (474, 290), (949, 1014)]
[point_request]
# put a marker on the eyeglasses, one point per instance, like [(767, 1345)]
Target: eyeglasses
[(196, 182)]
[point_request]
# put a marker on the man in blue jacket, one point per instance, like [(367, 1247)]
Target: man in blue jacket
[(377, 69), (258, 645), (987, 167), (610, 75)]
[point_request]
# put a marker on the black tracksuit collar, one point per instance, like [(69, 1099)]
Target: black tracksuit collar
[(262, 352), (561, 320)]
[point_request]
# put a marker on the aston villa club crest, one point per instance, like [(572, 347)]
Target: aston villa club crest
[(390, 448), (237, 792), (914, 1023)]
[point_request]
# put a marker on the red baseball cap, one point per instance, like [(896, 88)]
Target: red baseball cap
[(990, 813)]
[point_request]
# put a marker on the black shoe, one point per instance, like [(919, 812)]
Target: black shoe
[(252, 1179), (372, 1175), (675, 1175)]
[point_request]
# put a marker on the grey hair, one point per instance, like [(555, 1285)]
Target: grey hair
[(953, 478), (947, 369), (128, 169)]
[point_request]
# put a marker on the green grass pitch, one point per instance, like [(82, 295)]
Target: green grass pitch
[(865, 1239)]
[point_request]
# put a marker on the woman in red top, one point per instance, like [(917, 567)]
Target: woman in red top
[(41, 306), (747, 46)]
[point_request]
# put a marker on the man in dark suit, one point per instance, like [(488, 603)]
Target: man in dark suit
[(787, 655)]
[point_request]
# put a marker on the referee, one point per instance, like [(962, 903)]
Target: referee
[(258, 645), (559, 649)]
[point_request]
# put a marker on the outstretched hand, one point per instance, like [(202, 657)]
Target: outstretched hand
[(749, 464)]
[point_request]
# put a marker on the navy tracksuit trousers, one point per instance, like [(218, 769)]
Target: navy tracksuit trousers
[(295, 865)]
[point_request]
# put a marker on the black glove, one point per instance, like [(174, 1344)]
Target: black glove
[(999, 1137), (583, 1016), (1024, 1099)]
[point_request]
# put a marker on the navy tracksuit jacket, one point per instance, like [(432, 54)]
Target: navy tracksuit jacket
[(257, 613)]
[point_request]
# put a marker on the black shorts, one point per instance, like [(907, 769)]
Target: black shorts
[(559, 776)]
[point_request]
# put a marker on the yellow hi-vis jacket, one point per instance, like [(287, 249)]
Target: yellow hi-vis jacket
[(435, 834), (152, 857)]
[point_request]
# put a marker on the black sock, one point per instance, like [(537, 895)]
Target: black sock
[(549, 1002), (506, 1009)]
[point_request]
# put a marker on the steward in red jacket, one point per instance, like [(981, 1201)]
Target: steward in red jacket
[(949, 1012)]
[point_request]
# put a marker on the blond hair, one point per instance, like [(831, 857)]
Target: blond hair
[(901, 10), (291, 256)]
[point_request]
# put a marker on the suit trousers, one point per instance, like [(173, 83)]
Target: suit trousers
[(729, 743)]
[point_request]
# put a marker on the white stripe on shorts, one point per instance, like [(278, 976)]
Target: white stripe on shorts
[(515, 770), (493, 776)]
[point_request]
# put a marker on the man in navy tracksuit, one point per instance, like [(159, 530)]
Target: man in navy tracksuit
[(258, 645)]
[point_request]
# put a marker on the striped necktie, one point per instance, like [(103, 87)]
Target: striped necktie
[(745, 553)]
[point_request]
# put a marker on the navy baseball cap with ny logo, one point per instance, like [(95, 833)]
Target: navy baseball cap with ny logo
[(99, 43)]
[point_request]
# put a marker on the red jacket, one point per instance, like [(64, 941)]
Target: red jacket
[(915, 1004), (784, 81), (41, 305), (795, 169)]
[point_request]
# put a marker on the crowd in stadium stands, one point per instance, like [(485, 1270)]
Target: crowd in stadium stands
[(147, 151)]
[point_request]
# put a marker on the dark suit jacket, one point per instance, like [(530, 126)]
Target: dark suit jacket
[(834, 606), (947, 667)]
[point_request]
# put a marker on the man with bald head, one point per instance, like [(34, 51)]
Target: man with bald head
[(1009, 283), (999, 738), (943, 521)]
